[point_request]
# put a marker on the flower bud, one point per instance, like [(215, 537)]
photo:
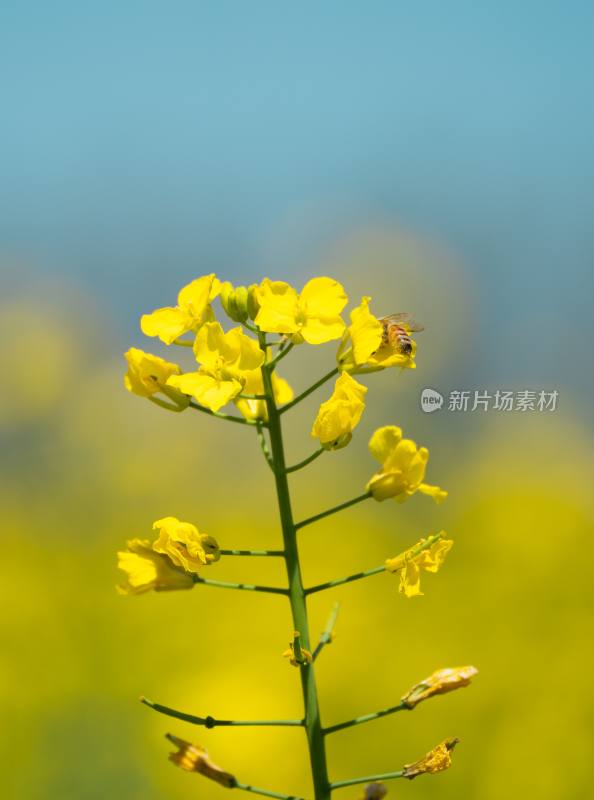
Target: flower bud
[(253, 305), (236, 301)]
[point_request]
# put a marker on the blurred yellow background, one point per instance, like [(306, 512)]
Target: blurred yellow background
[(87, 466), (436, 156)]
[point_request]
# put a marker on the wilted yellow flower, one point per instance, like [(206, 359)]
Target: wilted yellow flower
[(147, 570), (297, 655), (312, 316), (148, 374), (428, 554), (368, 344), (403, 467), (375, 791), (225, 359), (194, 758), (256, 409), (184, 544), (436, 760), (439, 682), (193, 310), (338, 416)]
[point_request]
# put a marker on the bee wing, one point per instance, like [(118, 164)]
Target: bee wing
[(404, 318)]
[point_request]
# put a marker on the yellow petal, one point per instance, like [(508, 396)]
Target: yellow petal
[(146, 570), (432, 559), (339, 415), (384, 485), (211, 345), (166, 323), (323, 298), (320, 330), (384, 442), (439, 495), (247, 352), (279, 307), (147, 374), (365, 331), (209, 391), (184, 544), (410, 580), (197, 295)]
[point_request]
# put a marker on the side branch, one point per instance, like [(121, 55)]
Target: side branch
[(328, 632), (254, 789), (347, 579), (334, 510), (307, 392), (252, 552), (306, 461), (226, 417), (283, 351), (248, 587), (211, 722), (386, 776), (366, 718)]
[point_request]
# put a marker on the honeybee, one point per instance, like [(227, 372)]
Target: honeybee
[(397, 330)]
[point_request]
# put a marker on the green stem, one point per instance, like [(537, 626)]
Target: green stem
[(307, 392), (252, 552), (386, 776), (319, 587), (306, 461), (226, 417), (211, 722), (254, 789), (245, 586), (366, 718), (313, 727), (334, 510)]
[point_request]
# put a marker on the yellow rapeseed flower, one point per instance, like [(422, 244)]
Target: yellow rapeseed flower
[(194, 758), (367, 345), (148, 374), (192, 311), (435, 760), (312, 316), (423, 556), (147, 570), (338, 416), (184, 544), (439, 682), (402, 467), (226, 359)]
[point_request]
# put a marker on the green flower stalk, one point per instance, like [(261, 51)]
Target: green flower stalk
[(239, 367)]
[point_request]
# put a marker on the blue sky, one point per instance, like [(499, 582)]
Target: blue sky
[(136, 134)]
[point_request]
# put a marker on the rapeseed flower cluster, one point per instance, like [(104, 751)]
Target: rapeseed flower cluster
[(235, 366)]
